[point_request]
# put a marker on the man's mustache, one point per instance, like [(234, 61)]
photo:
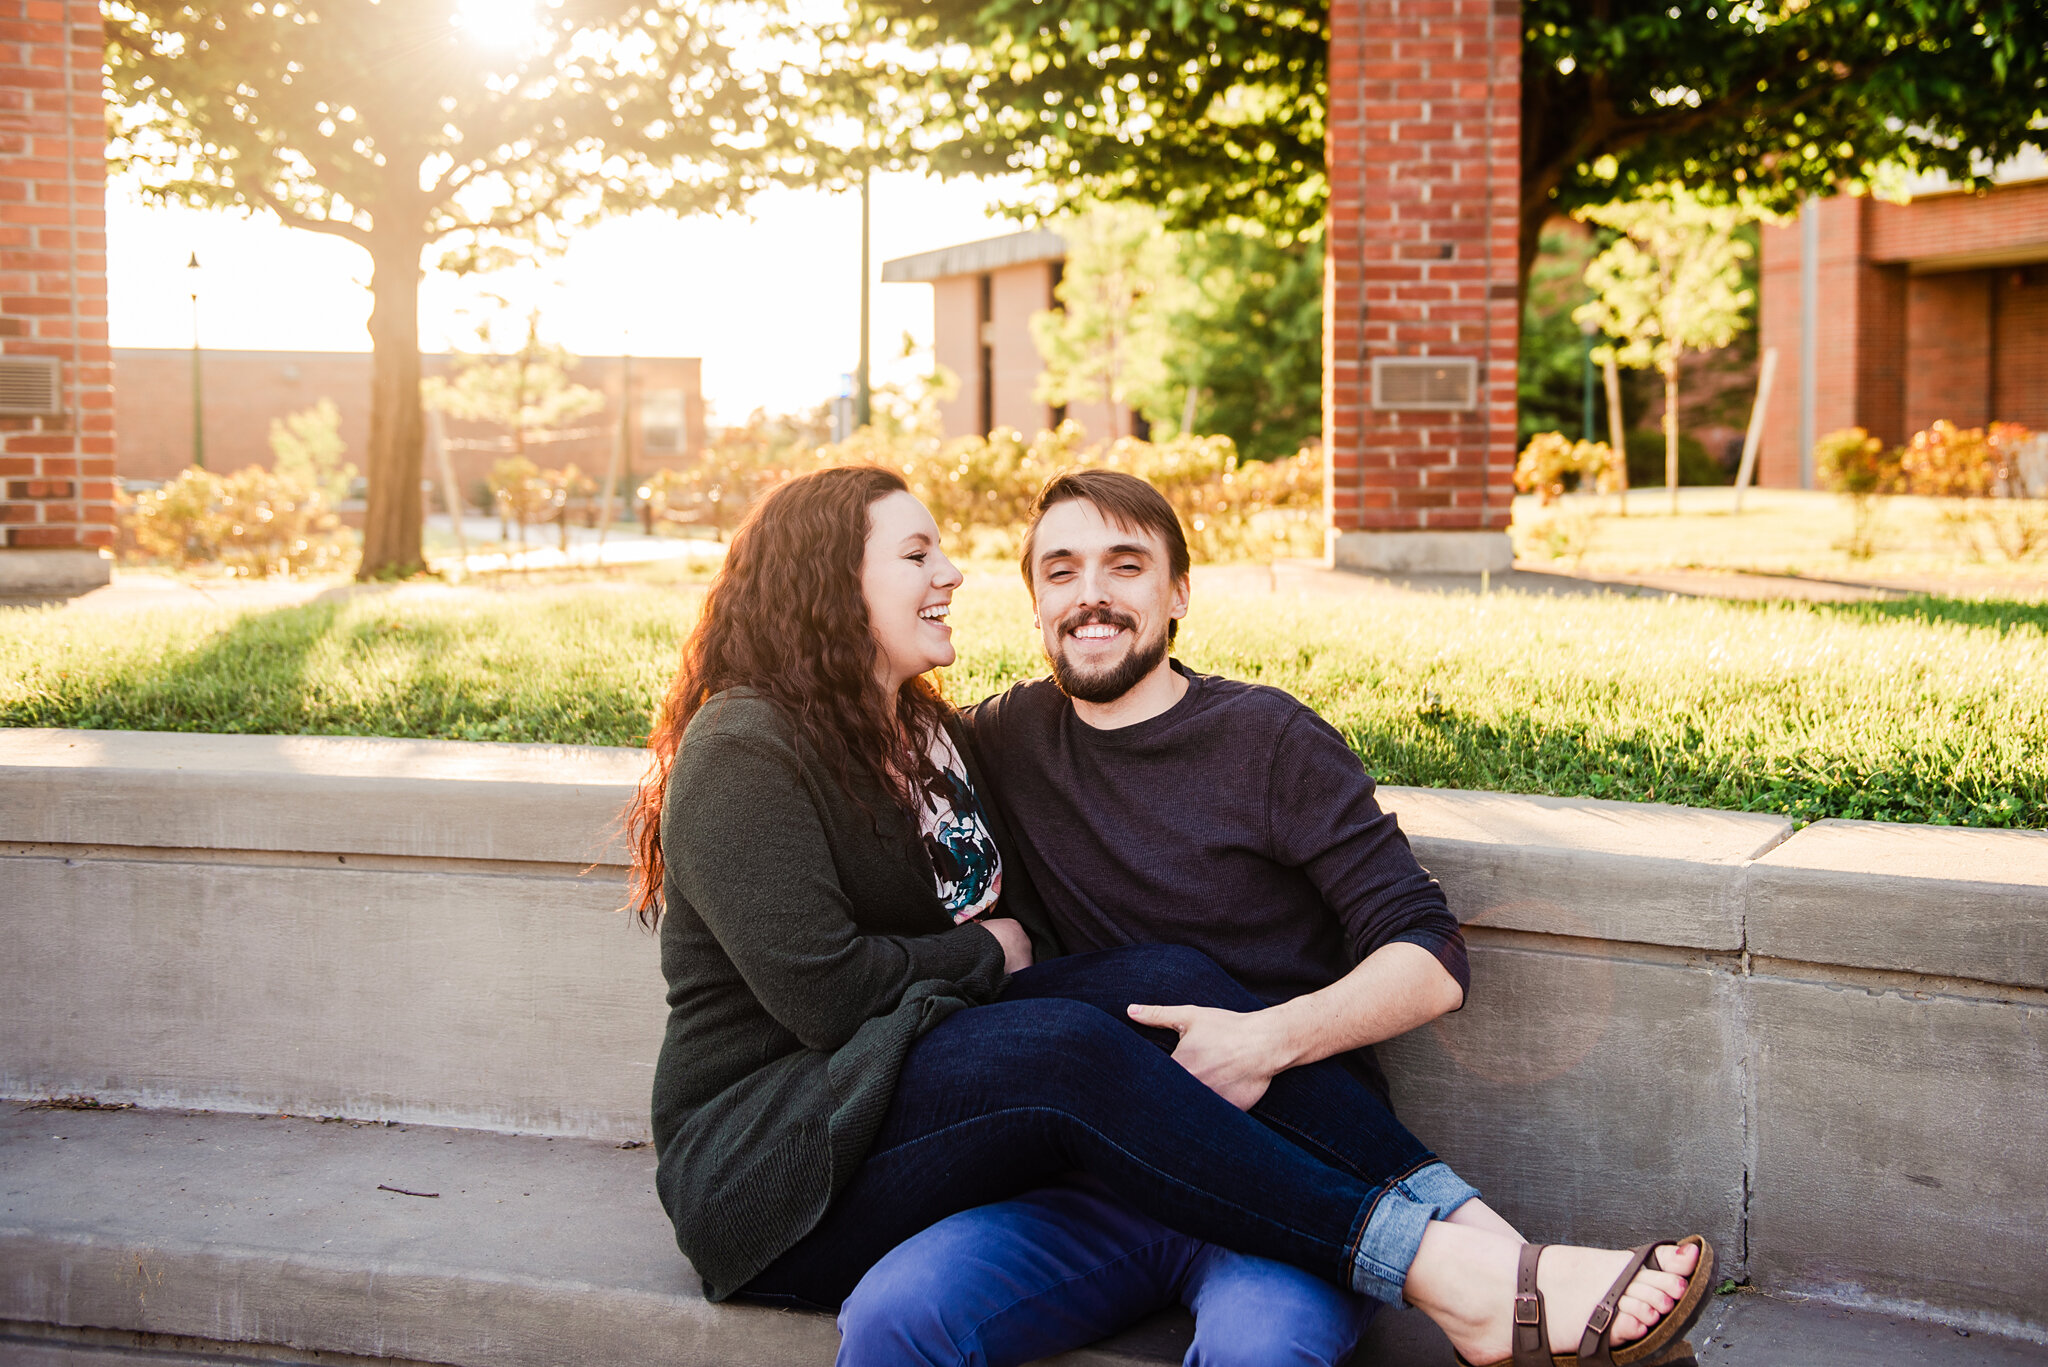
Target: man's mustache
[(1088, 617)]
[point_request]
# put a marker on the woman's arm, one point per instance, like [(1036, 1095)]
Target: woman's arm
[(746, 846)]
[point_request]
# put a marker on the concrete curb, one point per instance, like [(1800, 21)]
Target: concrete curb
[(1827, 1050)]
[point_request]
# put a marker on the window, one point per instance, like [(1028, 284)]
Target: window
[(662, 426)]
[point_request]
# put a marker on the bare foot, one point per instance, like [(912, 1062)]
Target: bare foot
[(1468, 1286), (1476, 1214)]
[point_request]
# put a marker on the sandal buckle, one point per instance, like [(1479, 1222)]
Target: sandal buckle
[(1528, 1309), (1602, 1316)]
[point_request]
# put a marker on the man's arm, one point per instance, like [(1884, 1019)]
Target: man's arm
[(1324, 820), (1237, 1053)]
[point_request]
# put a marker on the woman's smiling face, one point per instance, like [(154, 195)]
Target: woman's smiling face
[(907, 583)]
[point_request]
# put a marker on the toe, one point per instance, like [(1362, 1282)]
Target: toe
[(1680, 1259)]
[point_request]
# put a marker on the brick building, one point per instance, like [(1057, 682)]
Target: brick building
[(243, 391), (983, 297), (1420, 310), (56, 396), (1889, 316)]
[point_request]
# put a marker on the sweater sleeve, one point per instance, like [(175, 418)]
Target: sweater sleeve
[(745, 844), (1325, 821)]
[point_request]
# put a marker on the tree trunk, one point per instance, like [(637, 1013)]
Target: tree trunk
[(1671, 431), (1534, 213), (391, 527), (1617, 424)]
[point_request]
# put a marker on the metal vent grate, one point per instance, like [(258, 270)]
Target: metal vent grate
[(1447, 382), (30, 385)]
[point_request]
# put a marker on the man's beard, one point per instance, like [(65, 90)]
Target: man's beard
[(1116, 680)]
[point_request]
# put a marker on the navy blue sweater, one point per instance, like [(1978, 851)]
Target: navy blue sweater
[(1237, 822)]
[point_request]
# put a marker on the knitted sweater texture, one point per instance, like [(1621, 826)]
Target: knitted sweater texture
[(806, 951)]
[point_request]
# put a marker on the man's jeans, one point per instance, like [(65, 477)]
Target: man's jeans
[(1066, 1265), (1000, 1099)]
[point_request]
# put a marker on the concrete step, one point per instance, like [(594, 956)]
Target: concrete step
[(182, 1237)]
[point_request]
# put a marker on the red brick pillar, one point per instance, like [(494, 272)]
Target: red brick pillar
[(1419, 303), (56, 374)]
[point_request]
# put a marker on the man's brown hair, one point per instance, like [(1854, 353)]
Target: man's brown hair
[(1123, 499)]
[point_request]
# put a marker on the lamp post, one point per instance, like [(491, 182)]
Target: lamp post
[(863, 390), (1589, 330), (198, 393)]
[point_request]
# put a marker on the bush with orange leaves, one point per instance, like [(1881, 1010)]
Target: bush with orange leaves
[(1551, 458)]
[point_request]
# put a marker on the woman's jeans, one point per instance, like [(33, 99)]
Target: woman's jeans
[(999, 1099)]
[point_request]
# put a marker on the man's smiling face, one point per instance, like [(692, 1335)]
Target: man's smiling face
[(1105, 594)]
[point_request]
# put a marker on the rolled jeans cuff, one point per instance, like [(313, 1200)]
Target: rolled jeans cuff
[(1393, 1232)]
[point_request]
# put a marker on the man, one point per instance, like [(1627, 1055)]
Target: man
[(1152, 804)]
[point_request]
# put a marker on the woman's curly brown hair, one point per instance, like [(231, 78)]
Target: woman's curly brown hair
[(785, 617)]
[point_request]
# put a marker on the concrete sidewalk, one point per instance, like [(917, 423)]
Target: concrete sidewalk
[(188, 1237)]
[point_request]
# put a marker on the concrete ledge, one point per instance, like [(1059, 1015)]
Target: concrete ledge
[(1422, 552), (53, 571), (324, 794), (163, 1239), (1770, 1037), (1924, 899), (1635, 871), (1898, 1150)]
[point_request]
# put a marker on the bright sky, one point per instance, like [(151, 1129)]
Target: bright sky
[(771, 302)]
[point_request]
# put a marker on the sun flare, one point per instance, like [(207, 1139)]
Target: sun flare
[(500, 25)]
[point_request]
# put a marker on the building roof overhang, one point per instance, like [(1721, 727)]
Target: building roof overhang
[(978, 258)]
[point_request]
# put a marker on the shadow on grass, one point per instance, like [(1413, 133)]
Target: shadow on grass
[(2001, 615), (250, 678)]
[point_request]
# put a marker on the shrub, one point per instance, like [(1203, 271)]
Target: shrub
[(1858, 465), (1947, 461), (253, 522), (1550, 459), (1646, 461), (1853, 462), (980, 489), (1975, 465)]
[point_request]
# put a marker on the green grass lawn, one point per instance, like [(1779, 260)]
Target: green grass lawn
[(1915, 710), (1784, 531)]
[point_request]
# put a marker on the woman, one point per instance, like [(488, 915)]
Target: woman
[(843, 1065)]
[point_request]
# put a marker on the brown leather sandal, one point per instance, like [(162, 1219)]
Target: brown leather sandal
[(1663, 1346)]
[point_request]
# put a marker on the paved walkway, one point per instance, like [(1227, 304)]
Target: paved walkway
[(146, 589), (461, 1247)]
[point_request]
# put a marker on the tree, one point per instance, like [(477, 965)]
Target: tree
[(526, 393), (306, 449), (399, 126), (1247, 343), (1108, 339), (1214, 111), (1671, 284)]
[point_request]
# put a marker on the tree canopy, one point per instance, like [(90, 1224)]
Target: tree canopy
[(1213, 110), (402, 126)]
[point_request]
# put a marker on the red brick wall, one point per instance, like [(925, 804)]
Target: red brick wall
[(1933, 227), (1424, 126), (245, 390), (58, 471), (2020, 362), (1948, 362), (1907, 332)]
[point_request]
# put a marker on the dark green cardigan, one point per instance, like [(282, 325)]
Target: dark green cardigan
[(805, 952)]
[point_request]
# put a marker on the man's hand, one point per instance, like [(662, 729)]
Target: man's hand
[(1234, 1053), (1016, 944)]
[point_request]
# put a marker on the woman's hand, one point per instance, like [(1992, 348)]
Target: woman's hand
[(1016, 944)]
